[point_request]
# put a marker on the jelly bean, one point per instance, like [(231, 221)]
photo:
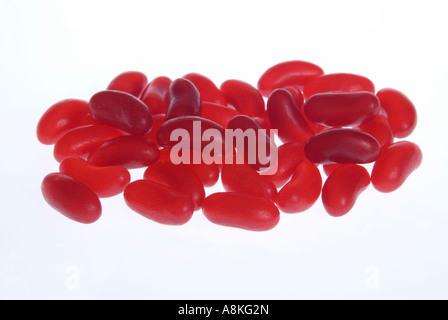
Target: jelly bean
[(343, 187), (104, 181), (243, 97), (179, 178), (286, 117), (329, 168), (156, 95), (342, 109), (158, 202), (83, 140), (342, 146), (184, 100), (132, 82), (302, 191), (290, 155), (218, 113), (400, 111), (71, 198), (157, 121), (380, 129), (242, 178), (294, 73), (127, 151), (61, 117), (121, 110), (339, 82), (208, 91), (395, 164), (239, 210)]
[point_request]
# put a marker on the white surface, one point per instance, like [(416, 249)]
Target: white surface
[(390, 246)]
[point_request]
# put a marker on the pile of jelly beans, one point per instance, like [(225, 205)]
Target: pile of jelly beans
[(335, 120)]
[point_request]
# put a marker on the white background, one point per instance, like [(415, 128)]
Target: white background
[(390, 246)]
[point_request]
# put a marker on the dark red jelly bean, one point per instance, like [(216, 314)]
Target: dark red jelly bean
[(302, 191), (241, 210), (339, 82), (158, 202), (285, 116), (290, 155), (127, 151), (208, 91), (121, 110), (243, 97), (342, 146), (218, 113), (343, 187), (242, 178), (380, 129), (294, 73), (83, 140), (179, 178), (132, 82), (185, 100), (342, 109), (104, 181), (395, 164), (71, 198), (157, 121), (400, 111), (61, 117), (156, 95)]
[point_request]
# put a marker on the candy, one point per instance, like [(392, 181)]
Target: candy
[(208, 91), (156, 95), (132, 82), (380, 129), (289, 156), (243, 97), (184, 100), (218, 113)]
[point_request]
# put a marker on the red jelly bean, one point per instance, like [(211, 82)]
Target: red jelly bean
[(61, 117), (290, 155), (294, 73), (83, 140), (218, 113), (179, 178), (380, 129), (302, 191), (395, 165), (104, 181), (400, 111), (342, 146), (127, 151), (71, 198), (339, 109), (157, 121), (158, 202), (121, 110), (343, 187), (342, 82), (242, 178), (243, 97), (207, 89), (286, 117), (241, 210), (156, 95), (132, 82), (184, 100)]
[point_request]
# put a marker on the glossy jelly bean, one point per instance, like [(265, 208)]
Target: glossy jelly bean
[(71, 198), (290, 155), (400, 111), (132, 82), (294, 73), (339, 82), (104, 181), (342, 109), (285, 116), (179, 178), (121, 110), (208, 91), (343, 187), (83, 140), (395, 164), (242, 178), (302, 191), (239, 210), (158, 202), (218, 113), (127, 151), (243, 97), (60, 118), (156, 95), (185, 100), (380, 129), (342, 146), (157, 121)]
